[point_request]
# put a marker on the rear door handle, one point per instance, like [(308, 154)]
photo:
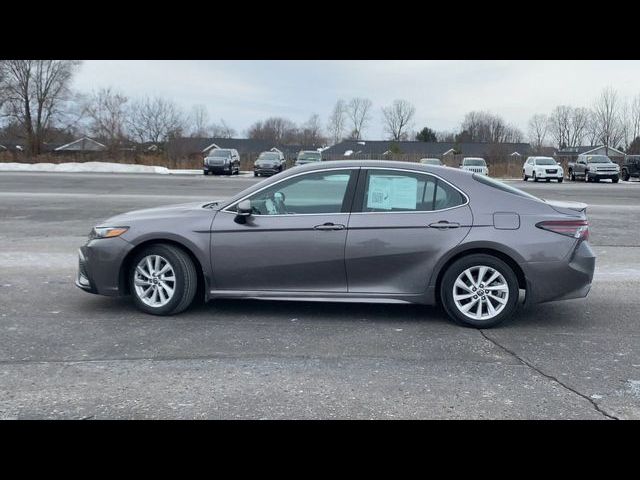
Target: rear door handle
[(329, 226), (444, 225)]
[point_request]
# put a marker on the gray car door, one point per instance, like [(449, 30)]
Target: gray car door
[(402, 223), (293, 241)]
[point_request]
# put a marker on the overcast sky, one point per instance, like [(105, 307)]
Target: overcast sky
[(242, 92)]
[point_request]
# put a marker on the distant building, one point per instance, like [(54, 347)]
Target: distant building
[(570, 154), (380, 148), (84, 144), (187, 147)]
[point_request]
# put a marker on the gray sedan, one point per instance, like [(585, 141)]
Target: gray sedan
[(357, 231)]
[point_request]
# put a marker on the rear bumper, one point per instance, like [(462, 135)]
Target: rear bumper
[(549, 281)]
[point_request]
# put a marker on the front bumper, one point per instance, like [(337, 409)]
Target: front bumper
[(563, 280), (99, 263), (217, 168), (544, 175), (266, 170), (604, 175)]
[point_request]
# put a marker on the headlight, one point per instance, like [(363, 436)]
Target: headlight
[(106, 232)]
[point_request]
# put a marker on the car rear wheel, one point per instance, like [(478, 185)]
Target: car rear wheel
[(524, 176), (625, 175), (479, 291), (163, 280)]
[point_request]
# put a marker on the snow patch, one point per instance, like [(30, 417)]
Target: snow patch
[(85, 167)]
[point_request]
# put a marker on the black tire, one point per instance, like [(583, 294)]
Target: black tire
[(255, 174), (459, 266), (535, 179), (560, 180), (625, 175), (548, 180), (615, 179), (524, 176), (186, 279), (572, 176)]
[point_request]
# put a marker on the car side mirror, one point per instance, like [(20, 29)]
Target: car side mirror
[(243, 211)]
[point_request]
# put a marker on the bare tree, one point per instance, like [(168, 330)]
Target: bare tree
[(275, 129), (607, 117), (222, 130), (34, 92), (311, 132), (398, 117), (156, 120), (358, 113), (568, 125), (634, 119), (107, 113), (445, 136), (198, 121), (487, 127), (336, 123), (538, 128)]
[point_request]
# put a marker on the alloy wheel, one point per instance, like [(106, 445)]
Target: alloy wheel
[(480, 292), (154, 281)]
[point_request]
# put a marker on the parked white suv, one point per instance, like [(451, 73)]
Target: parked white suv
[(542, 168), (475, 164)]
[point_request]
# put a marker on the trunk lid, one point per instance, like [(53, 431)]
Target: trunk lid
[(567, 207)]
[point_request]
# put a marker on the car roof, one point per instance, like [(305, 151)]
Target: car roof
[(449, 174)]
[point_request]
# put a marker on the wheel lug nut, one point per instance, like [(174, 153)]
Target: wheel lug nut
[(475, 296)]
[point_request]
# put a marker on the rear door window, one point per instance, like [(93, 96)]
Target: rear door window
[(400, 191)]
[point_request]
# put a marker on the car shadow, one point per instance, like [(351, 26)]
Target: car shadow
[(331, 311)]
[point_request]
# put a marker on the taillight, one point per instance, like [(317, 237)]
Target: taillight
[(570, 228)]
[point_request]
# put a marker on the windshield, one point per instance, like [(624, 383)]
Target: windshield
[(220, 153), (474, 162), (545, 161), (309, 156), (268, 156), (598, 159), (503, 186)]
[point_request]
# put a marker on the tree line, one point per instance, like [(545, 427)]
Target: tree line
[(38, 105), (611, 121)]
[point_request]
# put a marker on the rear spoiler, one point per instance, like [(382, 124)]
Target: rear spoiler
[(567, 207)]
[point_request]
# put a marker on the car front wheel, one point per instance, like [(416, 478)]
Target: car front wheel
[(163, 280), (479, 291)]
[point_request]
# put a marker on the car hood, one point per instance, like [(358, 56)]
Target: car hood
[(166, 211)]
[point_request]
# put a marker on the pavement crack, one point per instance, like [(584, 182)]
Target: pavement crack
[(548, 376)]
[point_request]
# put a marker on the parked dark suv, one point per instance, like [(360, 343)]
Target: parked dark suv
[(222, 160), (269, 163), (631, 167)]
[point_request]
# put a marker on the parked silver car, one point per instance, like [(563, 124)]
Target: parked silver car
[(363, 231)]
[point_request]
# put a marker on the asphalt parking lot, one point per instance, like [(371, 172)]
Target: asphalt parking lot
[(68, 354)]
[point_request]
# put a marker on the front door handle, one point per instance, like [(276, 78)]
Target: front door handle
[(444, 225), (329, 226)]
